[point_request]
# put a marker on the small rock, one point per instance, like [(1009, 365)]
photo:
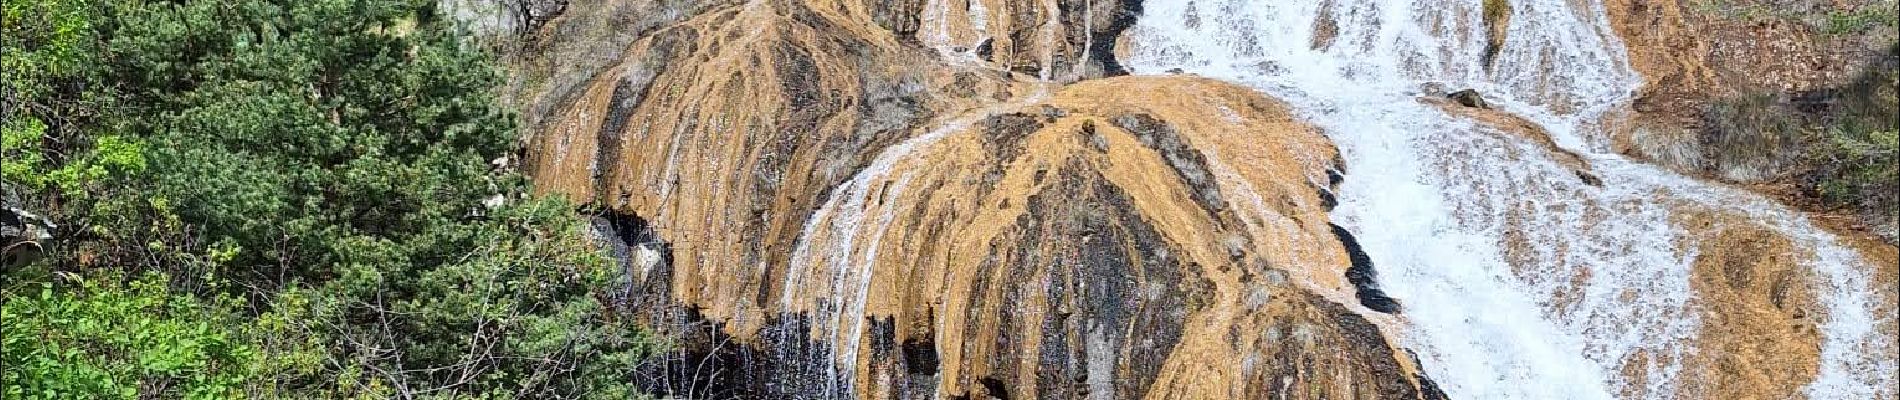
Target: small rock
[(1432, 89), (1589, 179), (1269, 68), (1095, 138), (1051, 113), (1469, 98), (24, 237)]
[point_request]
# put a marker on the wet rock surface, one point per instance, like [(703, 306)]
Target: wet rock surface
[(930, 199), (1363, 276), (1122, 238), (1468, 98), (825, 209)]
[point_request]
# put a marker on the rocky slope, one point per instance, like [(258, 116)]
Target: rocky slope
[(963, 199), (875, 203)]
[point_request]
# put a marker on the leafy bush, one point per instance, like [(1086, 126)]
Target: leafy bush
[(320, 167), (1862, 167), (49, 49), (1840, 146), (1857, 156), (110, 339)]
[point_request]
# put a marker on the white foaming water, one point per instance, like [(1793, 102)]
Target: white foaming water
[(1520, 280), (941, 18)]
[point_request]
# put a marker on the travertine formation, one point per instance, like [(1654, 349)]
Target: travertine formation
[(961, 199), (833, 177), (1758, 301)]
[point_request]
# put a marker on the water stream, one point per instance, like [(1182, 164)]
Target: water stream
[(1520, 279)]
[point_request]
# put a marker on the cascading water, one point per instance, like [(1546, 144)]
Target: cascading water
[(942, 23), (1521, 280)]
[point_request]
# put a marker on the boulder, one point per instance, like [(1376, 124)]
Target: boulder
[(1469, 98), (22, 235)]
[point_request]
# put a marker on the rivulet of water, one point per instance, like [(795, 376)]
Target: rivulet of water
[(836, 255)]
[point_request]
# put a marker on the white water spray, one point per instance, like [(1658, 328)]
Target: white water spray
[(940, 20), (1521, 281)]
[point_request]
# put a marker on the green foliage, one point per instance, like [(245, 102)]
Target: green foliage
[(324, 163), (110, 339), (49, 48), (1866, 166), (19, 144), (27, 166), (1840, 22), (1857, 160), (44, 39), (1828, 19), (1842, 149)]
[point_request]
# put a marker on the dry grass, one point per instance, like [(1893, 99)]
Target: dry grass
[(1841, 147), (1496, 11), (1752, 138)]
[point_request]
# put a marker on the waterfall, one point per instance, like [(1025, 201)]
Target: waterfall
[(1520, 279), (954, 32)]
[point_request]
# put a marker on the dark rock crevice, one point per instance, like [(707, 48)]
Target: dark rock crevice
[(901, 17), (1362, 276), (703, 361), (1102, 49)]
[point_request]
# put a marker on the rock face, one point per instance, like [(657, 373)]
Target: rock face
[(1763, 313), (965, 199), (899, 201), (1761, 337), (1091, 245), (1062, 40), (1740, 91), (24, 236)]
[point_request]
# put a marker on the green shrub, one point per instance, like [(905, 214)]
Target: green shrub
[(1864, 168), (45, 39), (1841, 22), (1855, 161), (104, 338), (319, 167)]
